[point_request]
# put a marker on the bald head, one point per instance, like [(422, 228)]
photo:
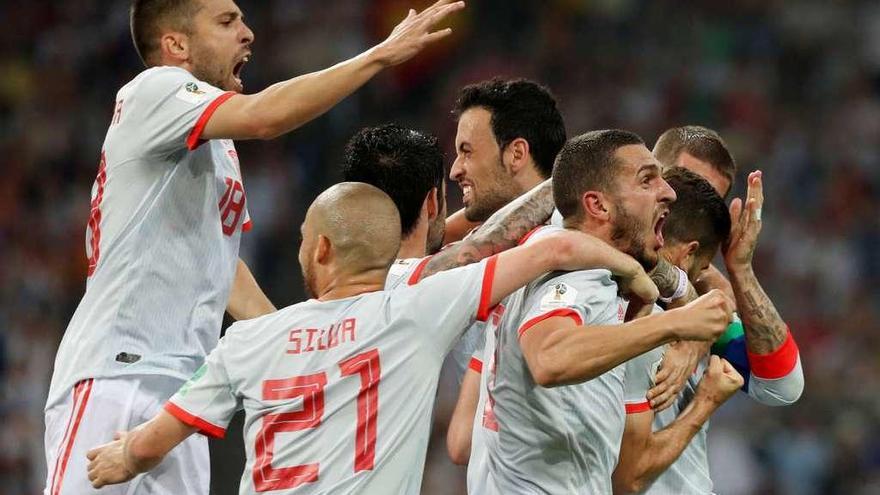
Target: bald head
[(361, 223)]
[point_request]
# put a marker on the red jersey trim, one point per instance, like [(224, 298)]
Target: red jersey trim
[(476, 365), (530, 233), (561, 313), (204, 427), (484, 310), (638, 407), (247, 226), (417, 273), (778, 363), (81, 391), (194, 140)]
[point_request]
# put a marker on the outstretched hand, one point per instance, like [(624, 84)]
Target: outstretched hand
[(745, 225), (414, 33)]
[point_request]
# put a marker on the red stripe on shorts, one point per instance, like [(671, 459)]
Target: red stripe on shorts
[(85, 389)]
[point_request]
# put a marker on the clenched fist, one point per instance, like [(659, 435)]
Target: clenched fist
[(720, 381), (705, 318)]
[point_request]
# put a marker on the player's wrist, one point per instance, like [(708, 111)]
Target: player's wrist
[(739, 269), (379, 56)]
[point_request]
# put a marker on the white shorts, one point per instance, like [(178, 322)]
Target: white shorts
[(88, 417)]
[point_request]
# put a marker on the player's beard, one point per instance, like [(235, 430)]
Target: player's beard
[(627, 233), (503, 190), (208, 68), (436, 231)]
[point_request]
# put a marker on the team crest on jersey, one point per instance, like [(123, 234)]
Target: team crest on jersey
[(194, 88), (559, 295), (192, 93)]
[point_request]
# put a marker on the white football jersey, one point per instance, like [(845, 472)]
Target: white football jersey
[(162, 240), (338, 394), (563, 439)]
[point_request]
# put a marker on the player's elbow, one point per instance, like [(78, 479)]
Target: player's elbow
[(458, 453), (458, 445), (546, 372)]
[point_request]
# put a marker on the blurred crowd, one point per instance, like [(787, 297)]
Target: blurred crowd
[(794, 87)]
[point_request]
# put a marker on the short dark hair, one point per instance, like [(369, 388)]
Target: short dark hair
[(587, 163), (148, 17), (701, 142), (520, 109), (698, 213), (404, 163)]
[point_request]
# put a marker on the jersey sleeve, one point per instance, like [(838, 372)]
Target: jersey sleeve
[(639, 378), (450, 301), (207, 401), (774, 379), (586, 297), (169, 110)]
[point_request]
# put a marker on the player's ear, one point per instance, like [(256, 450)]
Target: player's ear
[(175, 46), (431, 205), (323, 250), (516, 155), (596, 205)]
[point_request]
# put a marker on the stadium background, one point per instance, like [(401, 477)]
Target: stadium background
[(793, 86)]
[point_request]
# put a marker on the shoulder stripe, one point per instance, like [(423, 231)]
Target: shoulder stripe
[(417, 273), (484, 310), (194, 140)]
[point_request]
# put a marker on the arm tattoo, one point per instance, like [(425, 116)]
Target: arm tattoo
[(765, 330), (502, 231), (665, 277)]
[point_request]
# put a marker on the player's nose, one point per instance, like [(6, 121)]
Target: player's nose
[(247, 36), (666, 193), (457, 170)]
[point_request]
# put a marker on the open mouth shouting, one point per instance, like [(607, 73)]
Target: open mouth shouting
[(239, 65), (658, 228)]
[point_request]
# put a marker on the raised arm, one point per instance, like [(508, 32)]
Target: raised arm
[(644, 455), (246, 299), (502, 231), (287, 105), (137, 451), (567, 250), (560, 351), (773, 357)]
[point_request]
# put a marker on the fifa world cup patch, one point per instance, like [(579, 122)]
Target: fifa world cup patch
[(559, 296), (192, 92)]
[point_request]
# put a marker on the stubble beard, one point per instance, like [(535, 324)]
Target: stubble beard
[(626, 235)]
